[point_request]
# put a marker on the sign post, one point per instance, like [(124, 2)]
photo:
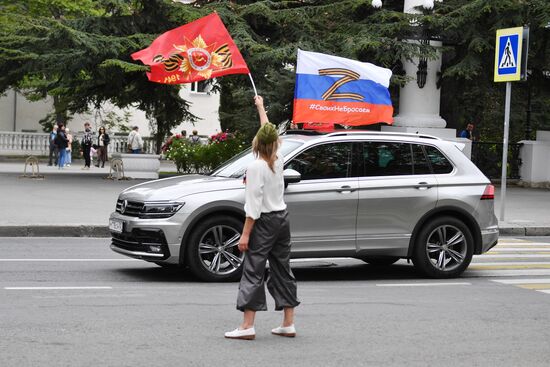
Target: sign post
[(508, 68)]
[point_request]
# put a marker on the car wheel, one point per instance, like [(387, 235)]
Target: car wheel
[(212, 251), (380, 260), (444, 248)]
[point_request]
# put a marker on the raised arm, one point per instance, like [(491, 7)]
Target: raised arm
[(259, 102)]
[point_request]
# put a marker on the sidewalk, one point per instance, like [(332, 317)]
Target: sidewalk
[(73, 202)]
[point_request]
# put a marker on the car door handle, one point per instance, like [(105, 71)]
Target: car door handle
[(423, 186), (345, 189)]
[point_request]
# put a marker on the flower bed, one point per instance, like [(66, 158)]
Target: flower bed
[(202, 158)]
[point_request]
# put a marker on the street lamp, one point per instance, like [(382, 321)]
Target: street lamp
[(377, 4), (422, 71), (426, 4)]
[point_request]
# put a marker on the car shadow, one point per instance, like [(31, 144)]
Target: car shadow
[(319, 271)]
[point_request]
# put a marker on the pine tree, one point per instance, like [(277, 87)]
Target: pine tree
[(79, 53)]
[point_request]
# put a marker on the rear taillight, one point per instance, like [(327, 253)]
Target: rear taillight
[(489, 193)]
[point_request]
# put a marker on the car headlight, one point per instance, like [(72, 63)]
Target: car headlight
[(160, 209)]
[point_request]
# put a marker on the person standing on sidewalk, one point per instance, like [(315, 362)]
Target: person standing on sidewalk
[(54, 153), (69, 157), (87, 145), (61, 142), (265, 236), (195, 138), (102, 143), (135, 142)]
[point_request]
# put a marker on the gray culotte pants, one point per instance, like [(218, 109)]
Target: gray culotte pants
[(269, 240)]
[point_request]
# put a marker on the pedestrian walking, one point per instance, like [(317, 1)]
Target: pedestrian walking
[(61, 142), (103, 141), (69, 149), (135, 142), (265, 236), (54, 153), (87, 139)]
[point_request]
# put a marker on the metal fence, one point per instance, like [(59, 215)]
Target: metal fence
[(487, 156)]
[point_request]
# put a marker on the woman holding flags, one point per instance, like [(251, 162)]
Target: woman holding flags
[(203, 49), (266, 236)]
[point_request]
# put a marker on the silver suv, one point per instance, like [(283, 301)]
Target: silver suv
[(378, 197)]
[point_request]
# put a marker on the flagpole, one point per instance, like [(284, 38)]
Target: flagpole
[(253, 85)]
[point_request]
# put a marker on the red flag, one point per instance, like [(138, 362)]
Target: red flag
[(199, 50)]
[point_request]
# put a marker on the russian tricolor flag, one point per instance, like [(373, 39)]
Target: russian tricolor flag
[(332, 89)]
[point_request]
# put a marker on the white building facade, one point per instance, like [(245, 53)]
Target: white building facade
[(17, 114)]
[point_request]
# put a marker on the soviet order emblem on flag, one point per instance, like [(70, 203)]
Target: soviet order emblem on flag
[(199, 50), (331, 89)]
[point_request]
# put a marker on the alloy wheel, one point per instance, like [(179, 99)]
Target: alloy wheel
[(218, 250), (446, 247)]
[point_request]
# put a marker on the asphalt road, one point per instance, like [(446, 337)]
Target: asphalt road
[(73, 302)]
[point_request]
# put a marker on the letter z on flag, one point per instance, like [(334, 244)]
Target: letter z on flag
[(199, 50), (331, 89)]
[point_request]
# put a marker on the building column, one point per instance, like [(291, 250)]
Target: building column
[(419, 107)]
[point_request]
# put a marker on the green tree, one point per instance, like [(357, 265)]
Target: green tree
[(83, 61), (82, 57), (468, 92)]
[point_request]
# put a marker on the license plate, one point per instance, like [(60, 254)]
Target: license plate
[(116, 225)]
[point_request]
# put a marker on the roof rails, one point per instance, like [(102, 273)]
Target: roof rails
[(359, 132), (303, 132)]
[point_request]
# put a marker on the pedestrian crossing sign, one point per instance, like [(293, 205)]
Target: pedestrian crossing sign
[(508, 54)]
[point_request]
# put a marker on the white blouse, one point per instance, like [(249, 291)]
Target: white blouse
[(264, 189)]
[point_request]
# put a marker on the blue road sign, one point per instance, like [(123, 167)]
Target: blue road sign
[(508, 54)]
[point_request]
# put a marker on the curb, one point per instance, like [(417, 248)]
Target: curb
[(524, 231), (55, 231), (103, 231)]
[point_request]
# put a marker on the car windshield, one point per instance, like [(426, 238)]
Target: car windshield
[(236, 166)]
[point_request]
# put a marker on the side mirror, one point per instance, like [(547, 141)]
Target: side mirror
[(291, 176)]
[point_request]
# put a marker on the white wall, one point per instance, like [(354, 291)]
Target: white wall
[(535, 166), (27, 113), (203, 105)]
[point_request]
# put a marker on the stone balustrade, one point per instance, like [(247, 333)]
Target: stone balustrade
[(21, 144), (15, 143)]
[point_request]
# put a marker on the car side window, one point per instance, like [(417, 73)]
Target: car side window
[(324, 161), (387, 159), (421, 165), (440, 164)]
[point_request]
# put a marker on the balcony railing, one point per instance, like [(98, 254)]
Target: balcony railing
[(16, 143)]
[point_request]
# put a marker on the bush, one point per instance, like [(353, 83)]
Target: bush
[(202, 158)]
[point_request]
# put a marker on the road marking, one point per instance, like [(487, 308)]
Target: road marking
[(547, 291), (522, 246), (497, 250), (511, 263), (523, 281), (420, 284), (66, 260), (507, 273), (535, 286), (51, 288), (478, 266), (516, 256)]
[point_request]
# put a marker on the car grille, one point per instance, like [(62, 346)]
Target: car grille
[(131, 209), (140, 240)]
